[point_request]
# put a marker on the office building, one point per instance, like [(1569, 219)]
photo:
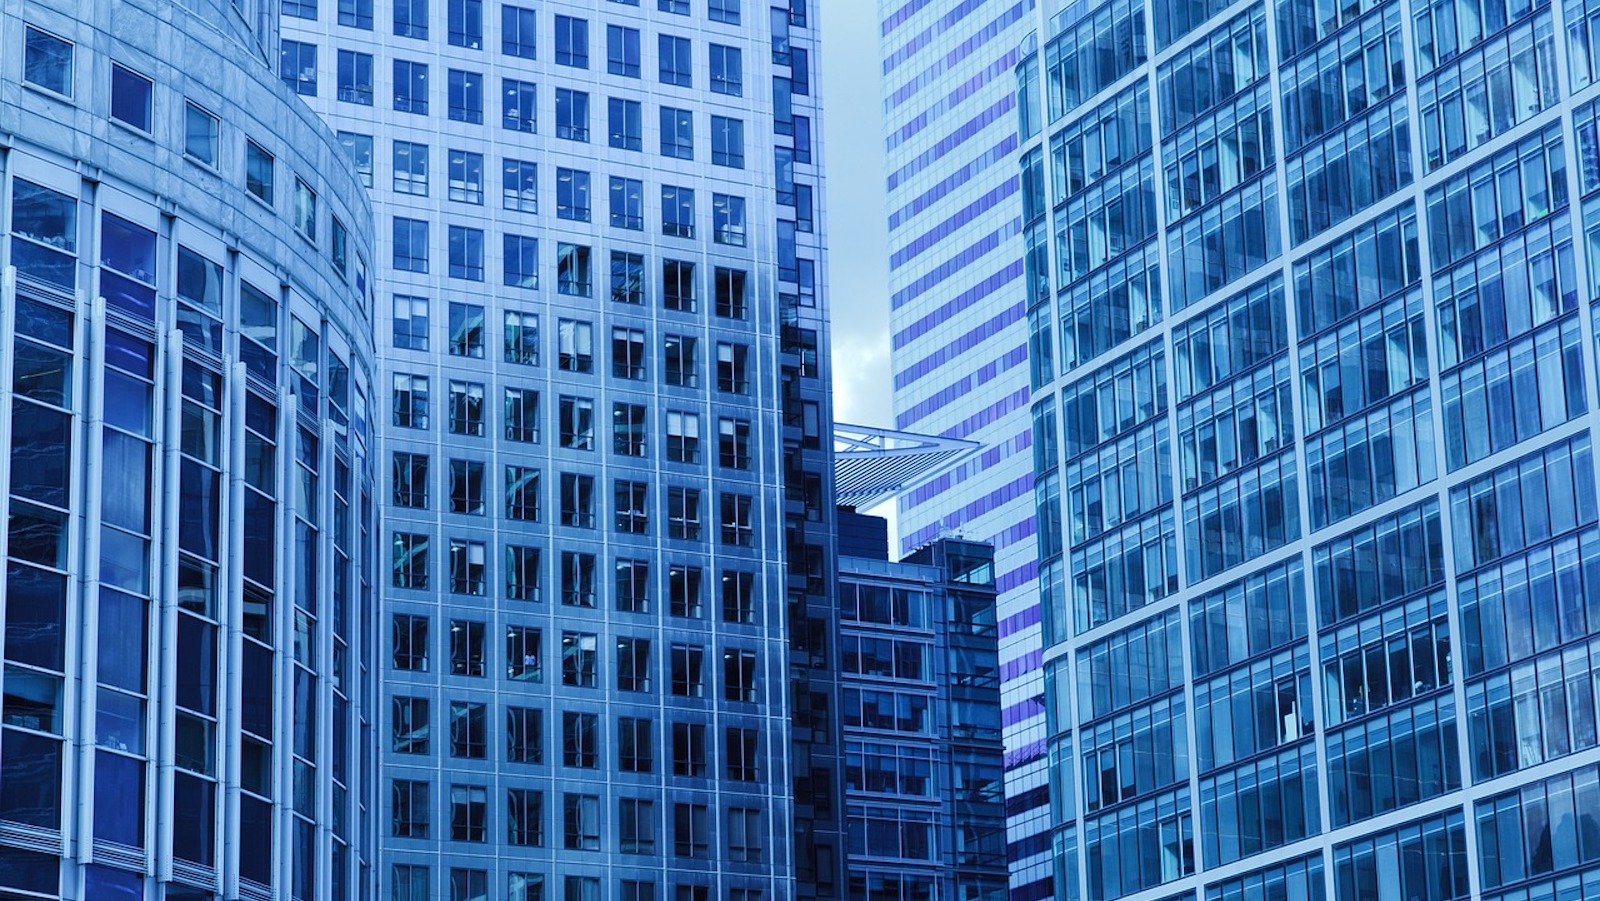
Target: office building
[(1314, 351), (959, 338), (919, 678), (600, 336), (188, 682)]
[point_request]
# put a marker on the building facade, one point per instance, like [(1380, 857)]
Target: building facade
[(188, 682), (1313, 350), (958, 319), (600, 332), (919, 678)]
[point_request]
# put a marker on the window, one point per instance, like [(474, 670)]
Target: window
[(410, 168), (47, 62), (523, 654), (572, 115), (410, 816), (525, 735), (636, 826), (683, 584), (738, 675), (732, 369), (410, 86), (520, 186), (581, 888), (357, 14), (523, 582), (466, 408), (518, 27), (410, 725), (632, 577), (466, 96), (727, 70), (466, 23), (360, 151), (732, 293), (627, 277), (678, 286), (572, 42), (683, 513), (297, 65), (743, 754), (676, 7), (688, 749), (520, 259), (579, 665), (355, 77), (677, 211), (727, 220), (524, 819), (466, 253), (687, 681), (677, 67), (466, 487), (677, 133), (469, 812), (622, 51), (410, 245), (410, 641), (633, 664), (522, 493), (627, 204), (466, 330), (633, 518), (636, 745), (581, 822), (738, 527), (469, 565), (733, 443), (200, 135), (572, 194), (727, 142), (626, 120), (469, 731), (258, 173), (723, 11), (411, 19), (691, 830), (466, 648), (521, 105), (577, 509), (681, 368), (522, 338), (683, 437), (577, 423), (627, 353), (573, 272), (744, 834), (410, 401), (522, 415), (466, 176)]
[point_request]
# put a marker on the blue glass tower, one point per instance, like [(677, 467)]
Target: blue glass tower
[(1312, 344)]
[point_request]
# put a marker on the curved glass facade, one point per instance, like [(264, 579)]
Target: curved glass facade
[(187, 364)]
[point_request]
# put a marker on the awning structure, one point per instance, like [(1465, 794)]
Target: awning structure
[(872, 465)]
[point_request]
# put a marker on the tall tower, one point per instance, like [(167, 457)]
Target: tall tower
[(602, 351), (959, 332), (187, 369), (1313, 333)]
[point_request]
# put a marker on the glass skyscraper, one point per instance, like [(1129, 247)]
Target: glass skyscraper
[(601, 350), (958, 320), (1312, 344), (187, 702)]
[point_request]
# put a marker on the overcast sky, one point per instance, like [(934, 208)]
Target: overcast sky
[(858, 237)]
